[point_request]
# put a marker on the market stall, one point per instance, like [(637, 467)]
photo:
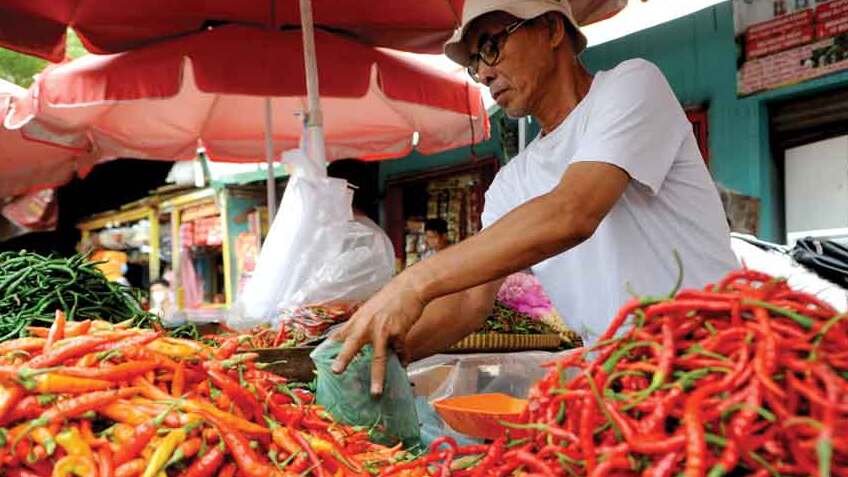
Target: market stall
[(134, 229), (208, 239), (455, 194)]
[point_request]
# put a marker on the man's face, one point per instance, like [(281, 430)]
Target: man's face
[(526, 59), (435, 240)]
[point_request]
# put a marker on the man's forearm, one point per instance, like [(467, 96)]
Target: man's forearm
[(541, 228), (445, 321)]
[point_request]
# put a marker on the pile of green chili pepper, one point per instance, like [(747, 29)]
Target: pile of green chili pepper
[(33, 287), (504, 319), (747, 377)]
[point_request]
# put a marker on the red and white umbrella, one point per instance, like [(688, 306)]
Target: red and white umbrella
[(39, 27), (157, 102), (28, 166)]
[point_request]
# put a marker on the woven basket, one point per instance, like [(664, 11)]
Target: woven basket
[(482, 343)]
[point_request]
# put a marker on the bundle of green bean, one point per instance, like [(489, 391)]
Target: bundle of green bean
[(33, 287)]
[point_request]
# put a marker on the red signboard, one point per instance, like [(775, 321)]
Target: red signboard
[(789, 41)]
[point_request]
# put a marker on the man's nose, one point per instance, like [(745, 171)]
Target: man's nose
[(486, 74)]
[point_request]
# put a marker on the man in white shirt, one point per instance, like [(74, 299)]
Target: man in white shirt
[(614, 185)]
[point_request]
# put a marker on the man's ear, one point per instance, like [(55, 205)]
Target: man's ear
[(556, 29)]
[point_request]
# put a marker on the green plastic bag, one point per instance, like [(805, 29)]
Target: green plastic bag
[(391, 417)]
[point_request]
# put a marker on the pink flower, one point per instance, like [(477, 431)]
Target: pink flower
[(523, 292)]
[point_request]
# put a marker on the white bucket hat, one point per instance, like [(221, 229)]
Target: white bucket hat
[(457, 51)]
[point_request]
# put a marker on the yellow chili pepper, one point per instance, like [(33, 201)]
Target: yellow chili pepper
[(176, 348), (325, 447), (283, 439), (318, 445), (43, 436), (163, 452), (76, 465), (71, 440), (100, 325)]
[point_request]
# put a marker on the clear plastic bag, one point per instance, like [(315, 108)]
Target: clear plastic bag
[(364, 264), (316, 251), (449, 375), (392, 417)]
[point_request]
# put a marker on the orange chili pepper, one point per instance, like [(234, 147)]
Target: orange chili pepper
[(57, 331), (118, 372), (52, 383), (122, 433), (178, 383), (38, 332), (10, 395), (78, 328), (88, 360), (131, 469), (124, 412), (150, 391), (106, 466), (30, 344)]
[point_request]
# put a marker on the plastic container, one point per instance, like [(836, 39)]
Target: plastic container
[(480, 415)]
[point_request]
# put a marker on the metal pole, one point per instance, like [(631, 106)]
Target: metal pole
[(271, 182), (314, 118), (522, 133)]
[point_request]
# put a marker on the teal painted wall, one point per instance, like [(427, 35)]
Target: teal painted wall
[(237, 206), (417, 162), (697, 53)]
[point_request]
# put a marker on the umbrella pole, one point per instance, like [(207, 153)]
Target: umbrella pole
[(314, 118), (271, 182)]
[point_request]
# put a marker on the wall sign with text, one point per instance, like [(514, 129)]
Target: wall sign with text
[(784, 42)]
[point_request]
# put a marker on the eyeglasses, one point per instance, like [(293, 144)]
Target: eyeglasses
[(490, 51)]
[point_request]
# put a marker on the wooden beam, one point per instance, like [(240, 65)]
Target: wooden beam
[(114, 218), (227, 250), (185, 200), (154, 261)]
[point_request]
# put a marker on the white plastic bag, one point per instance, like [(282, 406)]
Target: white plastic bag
[(779, 263), (316, 252)]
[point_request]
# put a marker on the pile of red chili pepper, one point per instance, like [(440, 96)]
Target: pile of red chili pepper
[(298, 325), (94, 399), (747, 377)]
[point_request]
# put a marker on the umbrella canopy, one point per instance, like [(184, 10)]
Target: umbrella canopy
[(158, 101), (38, 27), (27, 166)]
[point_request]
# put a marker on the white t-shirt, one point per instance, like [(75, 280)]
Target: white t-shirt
[(629, 118)]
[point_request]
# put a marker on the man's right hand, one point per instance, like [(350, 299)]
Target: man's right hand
[(383, 321)]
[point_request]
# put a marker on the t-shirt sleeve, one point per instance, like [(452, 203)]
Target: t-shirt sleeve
[(497, 201), (635, 123)]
